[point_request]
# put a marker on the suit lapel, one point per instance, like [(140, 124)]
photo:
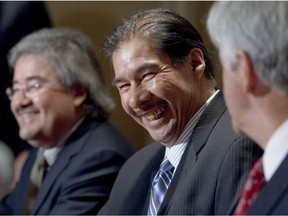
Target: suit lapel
[(207, 121), (272, 192), (181, 173), (69, 150), (197, 141), (149, 173), (22, 188)]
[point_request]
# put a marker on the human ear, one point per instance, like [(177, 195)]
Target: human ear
[(79, 95), (197, 62)]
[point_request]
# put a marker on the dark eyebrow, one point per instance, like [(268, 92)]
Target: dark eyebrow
[(140, 69)]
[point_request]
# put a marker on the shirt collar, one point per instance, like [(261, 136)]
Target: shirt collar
[(275, 151), (174, 153), (51, 154)]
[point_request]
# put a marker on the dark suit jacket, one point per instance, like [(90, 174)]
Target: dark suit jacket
[(80, 180), (273, 199), (209, 177)]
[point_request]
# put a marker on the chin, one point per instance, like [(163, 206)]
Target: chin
[(34, 143), (27, 136)]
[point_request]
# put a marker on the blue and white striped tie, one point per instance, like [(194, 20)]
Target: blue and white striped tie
[(160, 185)]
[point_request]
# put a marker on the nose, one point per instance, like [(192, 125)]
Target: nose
[(138, 98), (21, 99)]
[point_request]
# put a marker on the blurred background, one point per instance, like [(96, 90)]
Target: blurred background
[(98, 19)]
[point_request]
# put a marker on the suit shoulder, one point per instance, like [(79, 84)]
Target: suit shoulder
[(93, 137)]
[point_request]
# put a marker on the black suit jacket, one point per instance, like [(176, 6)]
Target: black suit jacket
[(208, 180), (80, 180), (273, 199)]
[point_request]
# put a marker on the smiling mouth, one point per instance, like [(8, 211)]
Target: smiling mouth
[(156, 114), (26, 115)]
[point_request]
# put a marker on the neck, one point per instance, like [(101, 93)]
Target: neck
[(269, 113)]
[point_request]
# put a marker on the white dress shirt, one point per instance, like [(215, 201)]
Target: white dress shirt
[(276, 151), (51, 154)]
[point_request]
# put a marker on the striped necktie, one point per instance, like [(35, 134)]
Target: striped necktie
[(160, 185), (252, 187)]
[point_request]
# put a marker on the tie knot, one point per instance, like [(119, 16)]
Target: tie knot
[(40, 157), (160, 185), (257, 171), (166, 166), (39, 169)]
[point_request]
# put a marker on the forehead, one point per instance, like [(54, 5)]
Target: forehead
[(134, 54), (31, 65), (132, 48)]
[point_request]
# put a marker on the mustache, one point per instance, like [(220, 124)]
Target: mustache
[(144, 107)]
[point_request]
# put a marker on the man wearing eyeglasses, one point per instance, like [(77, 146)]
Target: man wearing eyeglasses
[(61, 104)]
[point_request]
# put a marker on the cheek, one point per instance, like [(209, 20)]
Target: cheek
[(162, 87), (231, 92), (225, 86), (50, 101), (13, 107), (226, 79), (124, 103), (226, 90)]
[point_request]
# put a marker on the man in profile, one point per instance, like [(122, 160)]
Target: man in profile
[(252, 38)]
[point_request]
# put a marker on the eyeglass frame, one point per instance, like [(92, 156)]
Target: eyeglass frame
[(34, 87)]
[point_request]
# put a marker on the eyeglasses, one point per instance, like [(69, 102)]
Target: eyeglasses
[(30, 91)]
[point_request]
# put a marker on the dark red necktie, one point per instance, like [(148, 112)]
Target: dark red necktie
[(252, 187)]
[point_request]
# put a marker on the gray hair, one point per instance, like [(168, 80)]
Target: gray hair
[(169, 33), (75, 64), (260, 29)]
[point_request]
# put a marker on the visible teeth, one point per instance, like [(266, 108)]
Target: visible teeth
[(155, 115)]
